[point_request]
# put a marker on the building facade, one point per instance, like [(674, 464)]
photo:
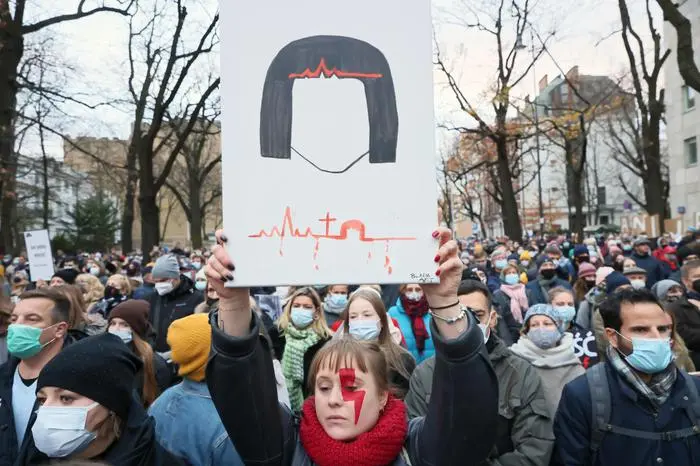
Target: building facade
[(683, 126)]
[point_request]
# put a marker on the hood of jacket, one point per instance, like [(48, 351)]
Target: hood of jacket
[(559, 356)]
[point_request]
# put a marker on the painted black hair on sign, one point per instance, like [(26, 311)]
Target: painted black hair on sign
[(345, 58)]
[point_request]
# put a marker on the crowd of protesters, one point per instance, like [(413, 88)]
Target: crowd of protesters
[(544, 352)]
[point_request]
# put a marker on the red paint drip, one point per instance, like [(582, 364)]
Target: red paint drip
[(347, 384), (387, 259)]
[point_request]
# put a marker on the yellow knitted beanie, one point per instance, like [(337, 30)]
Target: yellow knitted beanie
[(190, 341)]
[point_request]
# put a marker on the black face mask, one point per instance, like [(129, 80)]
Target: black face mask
[(589, 284), (696, 285), (211, 301), (111, 292), (672, 299), (582, 259), (548, 274), (17, 280)]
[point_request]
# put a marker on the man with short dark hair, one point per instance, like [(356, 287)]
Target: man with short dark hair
[(646, 261), (637, 407), (525, 426), (38, 331)]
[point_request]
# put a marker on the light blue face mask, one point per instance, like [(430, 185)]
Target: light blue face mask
[(338, 300), (364, 329), (649, 355), (126, 335), (302, 318), (511, 279), (500, 264), (201, 285), (567, 314)]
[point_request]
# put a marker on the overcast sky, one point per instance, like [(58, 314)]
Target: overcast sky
[(96, 47)]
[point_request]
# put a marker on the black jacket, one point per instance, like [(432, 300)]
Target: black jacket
[(175, 305), (163, 372), (136, 446), (242, 384)]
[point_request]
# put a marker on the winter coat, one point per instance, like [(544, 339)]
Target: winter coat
[(538, 293), (502, 303), (655, 272), (175, 305), (572, 426), (398, 313), (584, 316), (524, 424), (8, 437), (241, 381), (136, 445), (556, 366)]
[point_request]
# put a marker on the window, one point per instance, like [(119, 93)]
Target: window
[(604, 220), (690, 148), (565, 93), (688, 98), (601, 195)]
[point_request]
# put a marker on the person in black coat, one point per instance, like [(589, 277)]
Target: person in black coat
[(96, 374), (352, 419), (175, 297)]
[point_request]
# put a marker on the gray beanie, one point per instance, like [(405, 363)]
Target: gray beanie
[(661, 288), (166, 267)]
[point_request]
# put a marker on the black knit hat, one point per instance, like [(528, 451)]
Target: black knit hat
[(101, 368), (67, 275)]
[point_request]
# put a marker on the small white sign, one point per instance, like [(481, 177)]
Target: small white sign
[(39, 254)]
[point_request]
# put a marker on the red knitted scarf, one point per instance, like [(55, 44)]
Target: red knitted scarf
[(416, 310), (378, 447)]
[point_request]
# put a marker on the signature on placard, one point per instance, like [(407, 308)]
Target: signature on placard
[(422, 277)]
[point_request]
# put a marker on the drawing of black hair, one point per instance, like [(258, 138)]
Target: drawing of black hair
[(345, 58)]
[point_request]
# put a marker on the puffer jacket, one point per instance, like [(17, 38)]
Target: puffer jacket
[(460, 426), (398, 313), (524, 425)]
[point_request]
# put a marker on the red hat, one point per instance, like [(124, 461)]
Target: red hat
[(586, 270)]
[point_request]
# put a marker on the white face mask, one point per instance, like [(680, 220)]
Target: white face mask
[(60, 431), (638, 284), (95, 271), (164, 288), (486, 329), (414, 296), (125, 335)]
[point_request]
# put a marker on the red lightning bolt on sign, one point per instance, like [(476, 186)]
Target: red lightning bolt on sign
[(347, 384)]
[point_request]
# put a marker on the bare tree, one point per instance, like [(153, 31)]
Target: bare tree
[(685, 55), (191, 180), (509, 73), (649, 98), (156, 81), (14, 31)]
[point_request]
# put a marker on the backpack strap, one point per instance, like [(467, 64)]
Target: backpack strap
[(404, 455), (600, 406)]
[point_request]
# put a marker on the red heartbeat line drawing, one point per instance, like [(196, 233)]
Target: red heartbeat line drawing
[(289, 230), (328, 73)]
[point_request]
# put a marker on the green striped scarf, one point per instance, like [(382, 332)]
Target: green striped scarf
[(297, 343)]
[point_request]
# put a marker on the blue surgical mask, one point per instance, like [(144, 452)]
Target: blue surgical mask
[(338, 300), (567, 314), (301, 317), (196, 265), (500, 264), (649, 355), (201, 285), (364, 329), (511, 279), (544, 338), (626, 247), (125, 335)]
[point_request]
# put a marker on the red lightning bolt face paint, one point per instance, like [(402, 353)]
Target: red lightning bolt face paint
[(347, 384)]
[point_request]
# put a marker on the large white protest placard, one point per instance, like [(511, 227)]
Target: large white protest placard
[(39, 254), (327, 141)]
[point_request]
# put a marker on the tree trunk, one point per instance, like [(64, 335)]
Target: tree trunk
[(129, 198), (196, 213), (148, 202), (45, 198), (11, 50), (509, 204), (574, 189), (654, 191)]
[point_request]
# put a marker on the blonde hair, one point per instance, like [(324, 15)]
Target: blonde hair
[(123, 281), (93, 289), (319, 324)]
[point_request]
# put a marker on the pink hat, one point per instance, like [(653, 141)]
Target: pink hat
[(602, 274), (586, 270)]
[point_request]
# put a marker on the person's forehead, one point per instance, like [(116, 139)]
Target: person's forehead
[(33, 305), (541, 319), (360, 305), (476, 300), (301, 299), (328, 371), (643, 315)]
